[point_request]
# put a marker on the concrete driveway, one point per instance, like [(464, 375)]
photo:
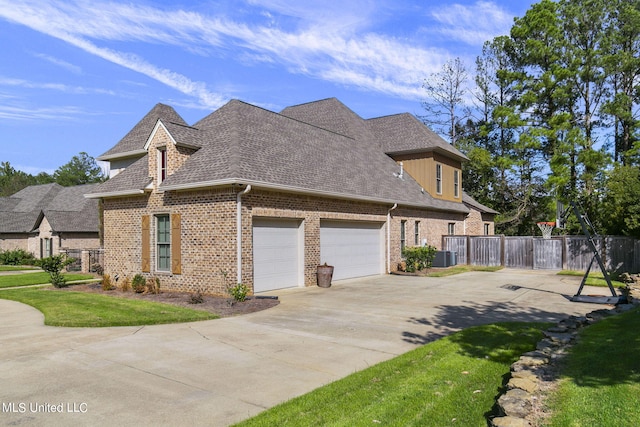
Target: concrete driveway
[(222, 371)]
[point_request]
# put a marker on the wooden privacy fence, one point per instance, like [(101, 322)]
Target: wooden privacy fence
[(620, 254)]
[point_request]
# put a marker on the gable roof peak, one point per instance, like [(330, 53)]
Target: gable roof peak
[(134, 141)]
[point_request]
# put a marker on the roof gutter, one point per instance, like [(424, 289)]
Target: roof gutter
[(122, 193), (298, 190), (123, 155)]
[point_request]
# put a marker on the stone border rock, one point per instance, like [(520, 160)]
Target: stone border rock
[(516, 405)]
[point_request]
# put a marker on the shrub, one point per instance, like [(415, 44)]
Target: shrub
[(17, 257), (54, 266), (153, 285), (125, 286), (138, 284), (107, 285), (419, 257), (239, 292)]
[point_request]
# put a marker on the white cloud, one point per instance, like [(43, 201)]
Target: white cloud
[(8, 112), (329, 42), (78, 90), (473, 24), (59, 62)]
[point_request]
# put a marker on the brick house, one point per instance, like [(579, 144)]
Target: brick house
[(47, 219), (253, 196)]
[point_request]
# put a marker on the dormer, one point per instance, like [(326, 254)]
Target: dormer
[(169, 145), (438, 174), (430, 160)]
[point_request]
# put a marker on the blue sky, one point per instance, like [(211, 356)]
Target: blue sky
[(78, 75)]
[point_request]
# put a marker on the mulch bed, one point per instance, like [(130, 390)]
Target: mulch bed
[(223, 307)]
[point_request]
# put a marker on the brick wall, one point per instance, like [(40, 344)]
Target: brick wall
[(475, 223), (208, 232)]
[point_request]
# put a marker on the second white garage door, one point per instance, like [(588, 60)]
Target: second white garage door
[(277, 254), (355, 249)]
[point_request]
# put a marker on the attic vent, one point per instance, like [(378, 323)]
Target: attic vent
[(401, 173)]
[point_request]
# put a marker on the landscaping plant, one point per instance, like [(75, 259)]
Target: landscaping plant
[(17, 257), (418, 257), (239, 292), (139, 283), (107, 285), (54, 266)]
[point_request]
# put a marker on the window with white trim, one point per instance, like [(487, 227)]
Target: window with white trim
[(451, 228), (456, 183), (162, 164), (403, 227), (163, 243), (438, 178), (416, 233)]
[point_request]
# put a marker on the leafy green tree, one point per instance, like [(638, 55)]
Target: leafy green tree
[(622, 68), (620, 202), (12, 180), (82, 169)]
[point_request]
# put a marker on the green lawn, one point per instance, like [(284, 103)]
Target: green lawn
[(600, 383), (17, 268), (458, 269), (81, 309), (27, 279), (452, 381), (594, 279)]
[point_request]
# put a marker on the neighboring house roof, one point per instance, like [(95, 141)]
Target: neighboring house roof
[(321, 148), (470, 201), (66, 209), (133, 142)]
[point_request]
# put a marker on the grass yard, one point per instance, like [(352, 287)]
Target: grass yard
[(16, 268), (600, 383), (451, 381), (11, 281), (594, 278), (458, 269), (80, 309)]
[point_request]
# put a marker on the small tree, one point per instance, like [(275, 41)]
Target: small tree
[(54, 266)]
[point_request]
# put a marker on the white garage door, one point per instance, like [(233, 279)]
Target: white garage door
[(355, 249), (277, 254)]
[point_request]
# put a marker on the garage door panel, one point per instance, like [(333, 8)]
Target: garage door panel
[(276, 254), (353, 248)]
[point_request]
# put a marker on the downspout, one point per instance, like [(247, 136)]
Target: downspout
[(395, 205), (239, 232)]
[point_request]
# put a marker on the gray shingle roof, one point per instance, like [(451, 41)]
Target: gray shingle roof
[(321, 148), (132, 180), (135, 139), (404, 133), (467, 199), (66, 209)]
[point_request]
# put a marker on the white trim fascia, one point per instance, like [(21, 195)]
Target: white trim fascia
[(114, 194), (153, 134), (123, 155), (296, 190)]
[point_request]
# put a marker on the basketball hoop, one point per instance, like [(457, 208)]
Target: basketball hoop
[(546, 228)]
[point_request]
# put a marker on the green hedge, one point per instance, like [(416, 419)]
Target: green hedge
[(418, 257), (17, 257)]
